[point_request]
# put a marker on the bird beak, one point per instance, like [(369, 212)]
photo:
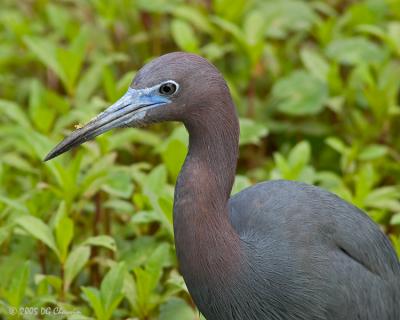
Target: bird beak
[(129, 110)]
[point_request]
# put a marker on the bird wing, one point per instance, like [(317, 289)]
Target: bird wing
[(308, 215)]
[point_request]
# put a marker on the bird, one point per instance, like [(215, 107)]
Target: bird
[(276, 250)]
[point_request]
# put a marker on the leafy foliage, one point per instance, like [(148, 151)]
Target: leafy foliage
[(316, 85)]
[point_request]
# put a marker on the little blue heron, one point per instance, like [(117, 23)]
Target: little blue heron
[(276, 250)]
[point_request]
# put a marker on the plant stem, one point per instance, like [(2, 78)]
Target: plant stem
[(42, 257), (250, 96), (94, 268), (63, 284)]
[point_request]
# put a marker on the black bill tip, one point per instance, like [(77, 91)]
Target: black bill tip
[(59, 149), (76, 138), (52, 154)]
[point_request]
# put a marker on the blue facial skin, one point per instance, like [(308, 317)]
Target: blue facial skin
[(132, 106)]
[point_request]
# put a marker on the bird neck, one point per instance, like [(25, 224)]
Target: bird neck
[(204, 236), (212, 157)]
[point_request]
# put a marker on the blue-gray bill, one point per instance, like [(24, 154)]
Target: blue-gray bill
[(127, 111)]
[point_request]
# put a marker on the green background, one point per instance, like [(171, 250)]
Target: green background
[(316, 85)]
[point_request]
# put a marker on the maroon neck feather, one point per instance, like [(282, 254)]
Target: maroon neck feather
[(205, 240)]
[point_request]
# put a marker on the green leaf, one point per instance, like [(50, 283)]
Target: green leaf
[(251, 132), (386, 198), (315, 63), (157, 6), (46, 281), (156, 180), (300, 94), (166, 204), (101, 241), (356, 50), (173, 151), (89, 81), (176, 308), (287, 15), (15, 204), (129, 289), (46, 51), (76, 260), (118, 184), (184, 36), (5, 232), (177, 282), (232, 29), (230, 10), (124, 138), (159, 259), (337, 145), (148, 277), (254, 27), (300, 154), (195, 17), (64, 234), (373, 151), (16, 161), (173, 156), (145, 281), (118, 205), (19, 282), (71, 59), (395, 220), (41, 114), (38, 229), (14, 112), (139, 251), (146, 217), (111, 288), (295, 167), (109, 84), (59, 18), (396, 243), (92, 295), (241, 182), (394, 35)]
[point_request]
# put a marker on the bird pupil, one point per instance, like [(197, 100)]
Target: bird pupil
[(168, 88)]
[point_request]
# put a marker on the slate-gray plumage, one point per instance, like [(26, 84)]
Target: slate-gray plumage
[(277, 250)]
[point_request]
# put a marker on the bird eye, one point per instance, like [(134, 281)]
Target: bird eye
[(168, 88)]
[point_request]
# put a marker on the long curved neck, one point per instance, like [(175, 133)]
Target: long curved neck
[(204, 237), (211, 160)]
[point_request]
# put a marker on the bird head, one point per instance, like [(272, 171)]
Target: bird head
[(174, 87)]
